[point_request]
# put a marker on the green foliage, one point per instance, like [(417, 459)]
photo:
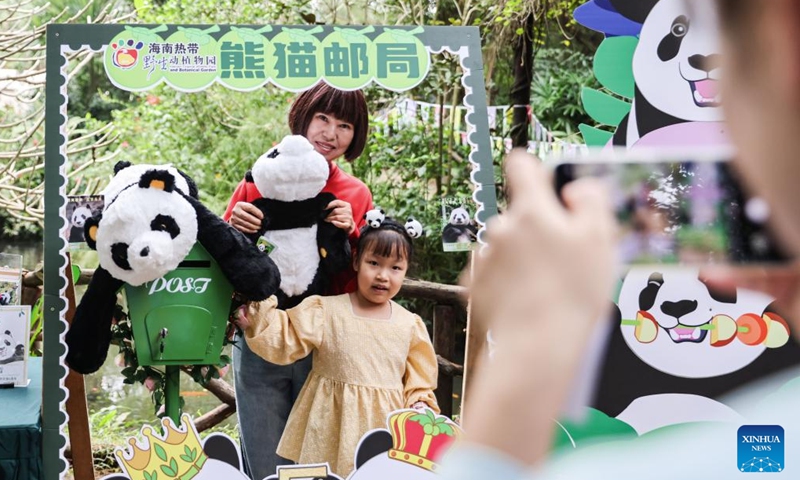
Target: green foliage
[(556, 94)]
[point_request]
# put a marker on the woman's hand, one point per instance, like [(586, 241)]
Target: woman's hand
[(341, 216), (246, 217)]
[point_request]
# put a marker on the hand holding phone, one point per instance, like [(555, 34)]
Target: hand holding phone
[(679, 208)]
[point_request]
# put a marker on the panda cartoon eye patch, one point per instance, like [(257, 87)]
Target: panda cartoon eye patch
[(165, 223)]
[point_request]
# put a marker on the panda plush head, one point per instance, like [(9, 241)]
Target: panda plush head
[(678, 300), (5, 298), (291, 171), (413, 227), (676, 63), (146, 227), (459, 216), (375, 217)]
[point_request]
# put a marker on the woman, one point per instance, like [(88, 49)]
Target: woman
[(336, 123)]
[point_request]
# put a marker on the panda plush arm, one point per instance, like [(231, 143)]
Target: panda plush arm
[(251, 273), (89, 335)]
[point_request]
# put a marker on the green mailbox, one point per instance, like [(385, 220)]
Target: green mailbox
[(180, 319)]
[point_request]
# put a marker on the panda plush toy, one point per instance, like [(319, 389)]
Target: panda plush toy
[(307, 250), (375, 217), (150, 220), (459, 229), (413, 228)]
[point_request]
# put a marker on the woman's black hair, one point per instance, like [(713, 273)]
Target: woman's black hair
[(390, 238)]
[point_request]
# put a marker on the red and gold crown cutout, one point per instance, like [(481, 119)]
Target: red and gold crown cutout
[(421, 438)]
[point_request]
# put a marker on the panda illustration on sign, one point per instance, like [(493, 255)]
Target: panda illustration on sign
[(307, 250), (10, 349), (677, 345), (676, 69)]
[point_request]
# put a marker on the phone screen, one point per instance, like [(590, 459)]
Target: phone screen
[(682, 212)]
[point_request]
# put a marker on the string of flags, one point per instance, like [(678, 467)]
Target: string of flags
[(542, 142)]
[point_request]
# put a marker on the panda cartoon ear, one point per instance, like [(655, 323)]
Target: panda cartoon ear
[(160, 179), (90, 231), (121, 165), (636, 10)]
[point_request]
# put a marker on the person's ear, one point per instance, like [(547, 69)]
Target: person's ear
[(355, 263)]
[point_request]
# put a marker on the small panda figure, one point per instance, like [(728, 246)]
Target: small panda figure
[(307, 250), (375, 217), (413, 227), (459, 229), (5, 298), (150, 221)]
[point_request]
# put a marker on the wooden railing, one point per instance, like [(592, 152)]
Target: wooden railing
[(448, 299)]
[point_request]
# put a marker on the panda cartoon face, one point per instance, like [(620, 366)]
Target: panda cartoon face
[(291, 171), (413, 228), (676, 63), (679, 301), (5, 298), (375, 217), (8, 346), (459, 216), (79, 216), (147, 227)]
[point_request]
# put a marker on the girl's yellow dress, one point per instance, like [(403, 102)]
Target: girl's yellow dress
[(363, 369)]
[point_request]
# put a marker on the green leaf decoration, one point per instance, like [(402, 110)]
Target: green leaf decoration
[(446, 429), (151, 476), (603, 107), (594, 137), (160, 452), (300, 35), (421, 418), (354, 36), (201, 37), (148, 34), (185, 458), (613, 64), (404, 35), (173, 464), (168, 471), (251, 35)]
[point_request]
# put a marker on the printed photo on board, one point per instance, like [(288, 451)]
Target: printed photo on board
[(459, 228), (79, 210), (10, 278), (14, 330)]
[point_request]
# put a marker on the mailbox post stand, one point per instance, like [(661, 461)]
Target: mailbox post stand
[(172, 393)]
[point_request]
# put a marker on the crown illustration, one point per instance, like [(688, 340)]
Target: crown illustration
[(421, 438), (178, 454)]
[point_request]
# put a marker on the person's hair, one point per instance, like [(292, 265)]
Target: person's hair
[(388, 239), (349, 106)]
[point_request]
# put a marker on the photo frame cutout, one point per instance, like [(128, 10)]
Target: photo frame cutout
[(461, 41)]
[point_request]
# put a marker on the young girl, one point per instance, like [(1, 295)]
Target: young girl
[(371, 356)]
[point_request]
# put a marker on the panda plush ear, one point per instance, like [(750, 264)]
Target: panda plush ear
[(160, 179), (192, 186), (120, 165), (636, 10), (90, 231)]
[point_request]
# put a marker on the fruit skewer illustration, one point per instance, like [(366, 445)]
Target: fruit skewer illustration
[(768, 329)]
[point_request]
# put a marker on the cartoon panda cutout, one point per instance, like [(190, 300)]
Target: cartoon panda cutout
[(307, 250), (215, 457), (459, 228), (677, 345), (676, 69)]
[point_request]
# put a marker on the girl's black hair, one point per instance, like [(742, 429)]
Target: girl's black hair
[(390, 238)]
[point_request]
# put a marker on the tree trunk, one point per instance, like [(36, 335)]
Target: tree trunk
[(523, 77)]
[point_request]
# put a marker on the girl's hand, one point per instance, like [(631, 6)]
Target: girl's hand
[(420, 406), (240, 317), (341, 216), (246, 217)]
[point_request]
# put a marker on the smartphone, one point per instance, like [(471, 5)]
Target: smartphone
[(679, 208)]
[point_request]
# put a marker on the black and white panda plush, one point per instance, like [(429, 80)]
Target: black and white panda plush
[(459, 229), (413, 228), (5, 298), (375, 217), (678, 374), (307, 250), (150, 220), (675, 66)]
